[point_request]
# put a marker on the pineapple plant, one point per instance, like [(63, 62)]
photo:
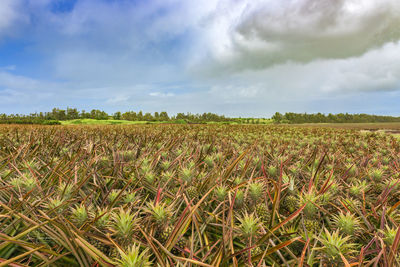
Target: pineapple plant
[(191, 192), (80, 214), (356, 189), (159, 213), (28, 182), (31, 165), (55, 204), (134, 257), (346, 223), (334, 187), (333, 246), (97, 243), (149, 177), (123, 224), (385, 160), (272, 171), (262, 212), (25, 183), (65, 190), (17, 182), (325, 198), (165, 165), (389, 235), (112, 197), (102, 217), (167, 176), (145, 167), (127, 155), (376, 174), (312, 226), (256, 191), (209, 161), (310, 200), (255, 252), (249, 225), (257, 162), (187, 175), (165, 233), (220, 193), (129, 197), (291, 203), (239, 199), (237, 181)]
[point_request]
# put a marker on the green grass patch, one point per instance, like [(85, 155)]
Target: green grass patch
[(116, 122), (101, 122)]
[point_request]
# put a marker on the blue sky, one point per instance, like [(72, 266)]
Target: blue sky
[(233, 57)]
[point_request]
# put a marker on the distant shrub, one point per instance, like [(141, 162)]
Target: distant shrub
[(29, 121), (50, 122)]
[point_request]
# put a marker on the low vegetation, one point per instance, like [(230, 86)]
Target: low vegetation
[(198, 195), (73, 115), (297, 118), (95, 116)]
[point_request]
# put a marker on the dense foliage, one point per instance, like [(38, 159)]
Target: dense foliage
[(27, 120), (95, 114), (72, 114), (291, 117), (196, 195)]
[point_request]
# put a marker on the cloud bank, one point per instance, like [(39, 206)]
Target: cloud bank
[(258, 34)]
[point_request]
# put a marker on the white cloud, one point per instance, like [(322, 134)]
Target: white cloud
[(377, 70), (9, 14), (17, 91), (8, 80), (160, 94), (257, 34)]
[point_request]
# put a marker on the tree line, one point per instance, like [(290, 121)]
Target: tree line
[(57, 115), (291, 117)]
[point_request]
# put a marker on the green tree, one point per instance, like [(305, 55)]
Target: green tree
[(117, 115)]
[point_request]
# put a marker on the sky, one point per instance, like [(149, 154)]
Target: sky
[(232, 57)]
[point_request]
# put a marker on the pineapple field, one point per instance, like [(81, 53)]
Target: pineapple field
[(198, 195)]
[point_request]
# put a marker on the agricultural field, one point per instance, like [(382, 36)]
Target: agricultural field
[(198, 195)]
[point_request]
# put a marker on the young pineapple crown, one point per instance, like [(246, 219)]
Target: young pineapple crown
[(256, 191), (80, 214), (334, 245), (221, 192), (187, 174), (134, 257), (249, 225), (346, 223), (123, 223), (159, 213)]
